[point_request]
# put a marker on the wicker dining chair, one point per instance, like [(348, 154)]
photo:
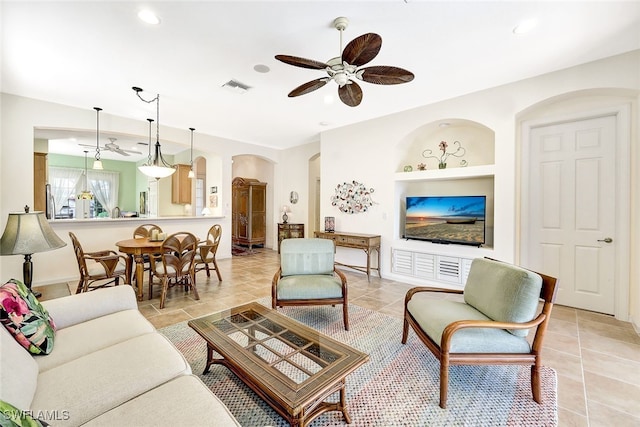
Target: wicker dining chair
[(490, 326), (98, 269), (146, 231), (175, 265), (206, 252)]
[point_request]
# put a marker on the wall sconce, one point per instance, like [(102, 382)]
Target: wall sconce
[(293, 197)]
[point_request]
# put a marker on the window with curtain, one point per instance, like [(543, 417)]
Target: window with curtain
[(67, 183), (105, 186), (63, 188)]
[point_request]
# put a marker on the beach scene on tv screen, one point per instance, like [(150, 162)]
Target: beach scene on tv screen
[(450, 218)]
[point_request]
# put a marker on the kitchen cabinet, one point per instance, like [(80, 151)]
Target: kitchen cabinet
[(181, 185)]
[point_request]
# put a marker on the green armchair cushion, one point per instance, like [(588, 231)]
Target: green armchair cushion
[(503, 292), (311, 286), (433, 315), (306, 256)]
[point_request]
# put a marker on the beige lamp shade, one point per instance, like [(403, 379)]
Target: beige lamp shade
[(28, 233)]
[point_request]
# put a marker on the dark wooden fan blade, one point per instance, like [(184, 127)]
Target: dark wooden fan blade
[(362, 49), (302, 62), (350, 94), (308, 87), (385, 75)]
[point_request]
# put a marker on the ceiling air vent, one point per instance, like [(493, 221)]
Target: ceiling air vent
[(236, 86)]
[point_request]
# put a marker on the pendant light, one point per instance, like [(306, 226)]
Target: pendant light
[(97, 163), (85, 194), (156, 167), (191, 174)]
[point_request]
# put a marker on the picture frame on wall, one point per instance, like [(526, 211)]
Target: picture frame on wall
[(329, 224)]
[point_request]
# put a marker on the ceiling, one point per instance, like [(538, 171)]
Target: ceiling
[(90, 53)]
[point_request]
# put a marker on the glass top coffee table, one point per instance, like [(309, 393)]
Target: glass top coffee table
[(291, 366)]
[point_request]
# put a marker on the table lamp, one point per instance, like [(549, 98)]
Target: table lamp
[(28, 233), (285, 217)]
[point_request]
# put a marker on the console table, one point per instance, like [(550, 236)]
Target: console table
[(367, 242), (289, 231)]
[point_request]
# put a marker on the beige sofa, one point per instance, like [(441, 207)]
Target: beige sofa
[(109, 366)]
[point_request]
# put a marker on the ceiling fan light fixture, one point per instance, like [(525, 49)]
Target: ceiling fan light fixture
[(347, 67)]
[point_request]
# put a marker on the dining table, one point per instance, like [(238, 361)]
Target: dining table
[(137, 248)]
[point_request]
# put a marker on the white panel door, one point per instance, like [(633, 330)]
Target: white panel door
[(572, 210)]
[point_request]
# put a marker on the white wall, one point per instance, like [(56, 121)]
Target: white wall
[(366, 152), (20, 116)]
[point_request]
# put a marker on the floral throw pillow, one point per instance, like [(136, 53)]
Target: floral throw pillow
[(25, 318)]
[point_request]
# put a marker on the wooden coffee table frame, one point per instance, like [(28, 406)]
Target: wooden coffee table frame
[(265, 331)]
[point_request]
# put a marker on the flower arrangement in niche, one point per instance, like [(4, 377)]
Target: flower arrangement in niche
[(352, 197), (442, 159)]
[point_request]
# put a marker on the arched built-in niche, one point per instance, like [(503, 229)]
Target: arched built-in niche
[(477, 140), (474, 176)]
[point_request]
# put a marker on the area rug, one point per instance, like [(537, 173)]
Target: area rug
[(399, 386)]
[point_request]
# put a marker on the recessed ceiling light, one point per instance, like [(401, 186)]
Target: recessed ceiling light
[(261, 68), (444, 124), (525, 26), (328, 99), (324, 123), (149, 17)]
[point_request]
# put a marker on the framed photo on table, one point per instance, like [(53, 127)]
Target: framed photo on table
[(329, 224)]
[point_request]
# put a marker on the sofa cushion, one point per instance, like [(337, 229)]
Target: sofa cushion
[(10, 416), (100, 381), (503, 292), (25, 318), (93, 335), (184, 401), (18, 372), (433, 315), (78, 308), (311, 286)]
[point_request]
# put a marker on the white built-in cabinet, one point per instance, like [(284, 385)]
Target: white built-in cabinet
[(431, 267), (426, 263)]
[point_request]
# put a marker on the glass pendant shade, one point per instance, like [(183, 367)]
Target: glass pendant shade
[(97, 164), (157, 167), (191, 174)]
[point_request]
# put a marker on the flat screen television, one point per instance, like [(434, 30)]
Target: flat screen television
[(446, 219)]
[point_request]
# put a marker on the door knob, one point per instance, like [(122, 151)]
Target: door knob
[(606, 240)]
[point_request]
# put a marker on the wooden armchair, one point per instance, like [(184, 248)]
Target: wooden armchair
[(307, 276), (491, 325), (175, 266), (98, 269), (206, 252)]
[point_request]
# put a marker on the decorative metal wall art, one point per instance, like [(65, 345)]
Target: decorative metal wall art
[(352, 197), (442, 158)]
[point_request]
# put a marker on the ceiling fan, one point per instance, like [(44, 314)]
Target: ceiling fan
[(112, 146), (347, 67)]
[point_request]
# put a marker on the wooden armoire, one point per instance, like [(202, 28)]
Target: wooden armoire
[(249, 212)]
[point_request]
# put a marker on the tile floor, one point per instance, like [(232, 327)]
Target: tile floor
[(597, 358)]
